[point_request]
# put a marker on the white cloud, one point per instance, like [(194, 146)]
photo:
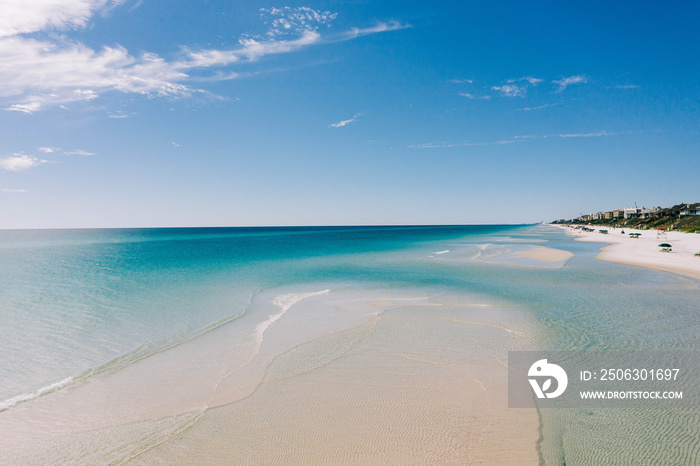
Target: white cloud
[(471, 96), (342, 123), (43, 73), (380, 27), (529, 79), (79, 152), (48, 150), (287, 19), (627, 86), (8, 190), (19, 162), (26, 16), (510, 90), (29, 107), (527, 109), (566, 82), (460, 81), (39, 73)]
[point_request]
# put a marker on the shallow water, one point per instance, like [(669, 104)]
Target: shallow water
[(180, 345)]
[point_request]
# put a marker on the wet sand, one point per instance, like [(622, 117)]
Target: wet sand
[(416, 385), (346, 376)]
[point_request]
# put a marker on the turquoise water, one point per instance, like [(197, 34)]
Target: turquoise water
[(77, 300), (75, 304)]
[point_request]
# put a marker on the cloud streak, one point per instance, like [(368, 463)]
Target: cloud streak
[(566, 82), (84, 153), (342, 123), (443, 145), (471, 96)]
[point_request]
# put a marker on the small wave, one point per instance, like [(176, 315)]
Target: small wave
[(441, 252), (482, 249), (284, 302), (21, 398)]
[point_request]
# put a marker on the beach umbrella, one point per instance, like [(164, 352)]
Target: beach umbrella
[(665, 245)]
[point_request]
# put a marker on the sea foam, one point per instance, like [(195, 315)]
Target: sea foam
[(21, 398), (284, 302)]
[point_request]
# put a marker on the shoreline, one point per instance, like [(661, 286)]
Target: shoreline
[(365, 347), (644, 251)]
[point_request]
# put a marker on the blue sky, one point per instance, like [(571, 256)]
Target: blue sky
[(136, 113)]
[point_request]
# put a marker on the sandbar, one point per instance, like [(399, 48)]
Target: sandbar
[(544, 254)]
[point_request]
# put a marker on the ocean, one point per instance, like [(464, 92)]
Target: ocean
[(198, 345)]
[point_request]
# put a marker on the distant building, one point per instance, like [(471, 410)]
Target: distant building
[(690, 209), (648, 213), (676, 209), (632, 212)]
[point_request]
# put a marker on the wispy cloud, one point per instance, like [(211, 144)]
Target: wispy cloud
[(529, 79), (284, 20), (571, 135), (27, 16), (380, 27), (444, 145), (515, 139), (342, 123), (79, 152), (471, 96), (19, 162), (517, 87), (460, 81), (540, 107), (587, 135), (566, 82), (531, 136), (510, 90), (30, 107), (118, 115), (8, 190), (48, 150), (39, 73), (627, 86)]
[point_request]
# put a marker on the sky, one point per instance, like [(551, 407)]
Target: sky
[(145, 113)]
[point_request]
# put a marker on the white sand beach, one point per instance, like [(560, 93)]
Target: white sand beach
[(545, 254), (644, 250)]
